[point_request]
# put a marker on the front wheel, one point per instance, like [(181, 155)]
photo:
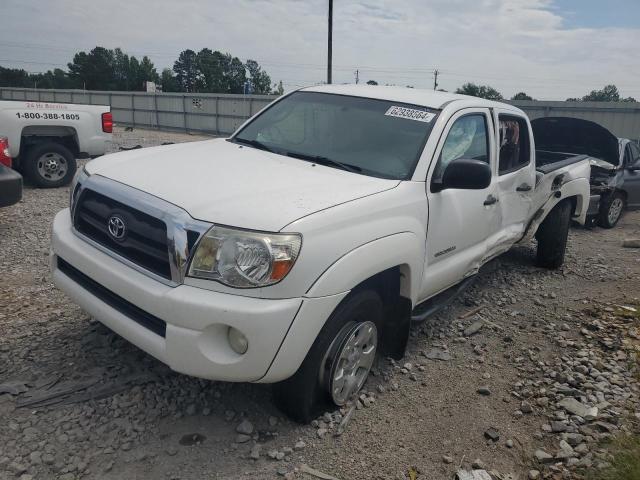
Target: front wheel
[(552, 236), (50, 165), (339, 361), (611, 210)]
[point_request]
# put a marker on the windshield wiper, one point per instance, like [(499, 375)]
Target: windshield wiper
[(254, 143), (328, 162)]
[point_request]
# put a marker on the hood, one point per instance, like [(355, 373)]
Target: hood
[(225, 183), (574, 135)]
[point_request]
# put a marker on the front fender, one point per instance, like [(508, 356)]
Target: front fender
[(404, 249)]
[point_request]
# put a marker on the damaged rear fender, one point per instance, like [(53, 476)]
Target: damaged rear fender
[(573, 190)]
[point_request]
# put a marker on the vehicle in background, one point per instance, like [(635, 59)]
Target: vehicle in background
[(618, 185), (297, 249), (46, 138), (615, 166), (10, 180)]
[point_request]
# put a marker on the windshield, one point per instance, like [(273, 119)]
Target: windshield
[(372, 137)]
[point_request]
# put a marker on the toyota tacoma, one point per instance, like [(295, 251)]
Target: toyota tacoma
[(305, 244)]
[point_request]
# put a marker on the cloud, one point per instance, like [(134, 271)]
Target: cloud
[(512, 45)]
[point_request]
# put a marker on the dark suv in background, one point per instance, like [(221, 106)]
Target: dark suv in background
[(615, 164)]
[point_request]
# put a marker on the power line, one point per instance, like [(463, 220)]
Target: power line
[(376, 69)]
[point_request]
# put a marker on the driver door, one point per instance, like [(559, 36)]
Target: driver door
[(461, 222)]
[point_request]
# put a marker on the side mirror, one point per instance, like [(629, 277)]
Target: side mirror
[(466, 173)]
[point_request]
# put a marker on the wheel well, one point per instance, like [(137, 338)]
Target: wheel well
[(574, 204), (392, 286), (607, 195), (35, 135)]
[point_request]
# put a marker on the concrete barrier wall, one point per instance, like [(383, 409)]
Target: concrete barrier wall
[(205, 112)]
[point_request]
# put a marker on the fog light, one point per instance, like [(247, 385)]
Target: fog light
[(237, 340)]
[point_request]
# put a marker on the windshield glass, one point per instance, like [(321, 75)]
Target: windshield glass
[(372, 137)]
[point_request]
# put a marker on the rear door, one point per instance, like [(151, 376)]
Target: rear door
[(631, 177), (461, 222), (516, 176)]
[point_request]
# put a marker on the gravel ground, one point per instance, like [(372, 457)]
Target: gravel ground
[(523, 376)]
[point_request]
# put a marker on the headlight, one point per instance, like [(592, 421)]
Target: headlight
[(244, 259), (80, 176)]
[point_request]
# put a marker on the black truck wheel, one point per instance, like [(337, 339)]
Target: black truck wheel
[(49, 165), (552, 236), (338, 363), (611, 210)]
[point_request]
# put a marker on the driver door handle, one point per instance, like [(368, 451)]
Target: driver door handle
[(524, 188), (490, 200)]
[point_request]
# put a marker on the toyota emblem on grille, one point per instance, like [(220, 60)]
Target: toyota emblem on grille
[(116, 227)]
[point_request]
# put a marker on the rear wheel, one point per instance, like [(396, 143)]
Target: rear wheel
[(611, 210), (339, 361), (552, 236), (50, 165)]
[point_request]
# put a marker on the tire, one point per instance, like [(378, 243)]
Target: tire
[(552, 236), (304, 394), (49, 165), (611, 210)]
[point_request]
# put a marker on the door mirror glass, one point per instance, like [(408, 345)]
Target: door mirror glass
[(466, 173)]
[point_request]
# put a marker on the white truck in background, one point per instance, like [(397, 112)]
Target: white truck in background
[(294, 251), (45, 138)]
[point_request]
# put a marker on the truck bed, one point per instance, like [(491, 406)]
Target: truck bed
[(548, 161)]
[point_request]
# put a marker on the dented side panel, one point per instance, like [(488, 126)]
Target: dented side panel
[(568, 182)]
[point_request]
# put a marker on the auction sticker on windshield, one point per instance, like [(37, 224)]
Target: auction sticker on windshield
[(410, 114)]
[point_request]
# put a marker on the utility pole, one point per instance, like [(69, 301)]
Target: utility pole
[(330, 41), (357, 76), (435, 79)]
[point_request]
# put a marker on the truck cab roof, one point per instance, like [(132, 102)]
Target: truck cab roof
[(416, 96)]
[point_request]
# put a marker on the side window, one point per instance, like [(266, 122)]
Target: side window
[(467, 138), (628, 157), (635, 153), (515, 152)]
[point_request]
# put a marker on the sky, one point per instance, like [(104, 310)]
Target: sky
[(550, 49)]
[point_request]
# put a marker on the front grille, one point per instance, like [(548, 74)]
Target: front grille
[(151, 322), (145, 240)]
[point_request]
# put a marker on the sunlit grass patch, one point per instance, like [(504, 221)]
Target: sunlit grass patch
[(626, 460)]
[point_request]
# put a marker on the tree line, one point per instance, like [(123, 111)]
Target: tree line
[(101, 68), (206, 71), (609, 93)]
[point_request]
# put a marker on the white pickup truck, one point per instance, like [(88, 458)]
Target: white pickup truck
[(46, 138), (299, 248)]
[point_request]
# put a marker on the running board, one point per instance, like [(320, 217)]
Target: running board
[(435, 304)]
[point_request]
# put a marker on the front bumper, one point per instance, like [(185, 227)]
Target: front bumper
[(10, 186), (197, 320)]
